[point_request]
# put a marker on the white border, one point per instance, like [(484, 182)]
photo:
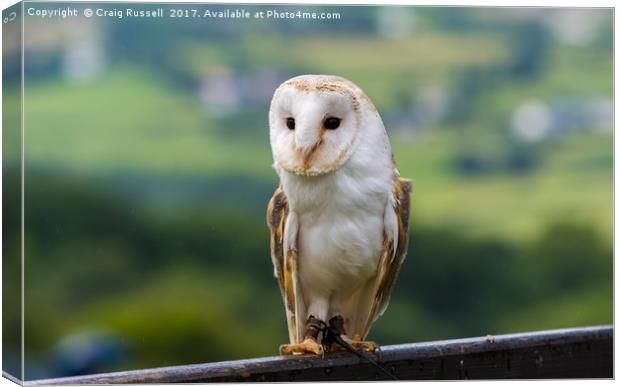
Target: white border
[(479, 3)]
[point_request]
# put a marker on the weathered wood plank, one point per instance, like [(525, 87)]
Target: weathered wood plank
[(567, 353)]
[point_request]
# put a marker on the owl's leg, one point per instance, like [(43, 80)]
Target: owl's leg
[(311, 342), (337, 324)]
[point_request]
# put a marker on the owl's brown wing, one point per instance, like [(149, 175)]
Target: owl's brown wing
[(395, 250), (283, 261)]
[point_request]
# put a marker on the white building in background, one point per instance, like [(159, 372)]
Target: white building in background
[(601, 114), (570, 26), (428, 105), (575, 26), (223, 91), (258, 86), (432, 103), (219, 92), (83, 59), (395, 22), (71, 48), (532, 121), (535, 120)]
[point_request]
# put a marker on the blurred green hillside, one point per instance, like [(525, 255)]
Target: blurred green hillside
[(147, 180), (575, 169)]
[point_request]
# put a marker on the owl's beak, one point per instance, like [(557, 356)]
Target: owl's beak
[(307, 140)]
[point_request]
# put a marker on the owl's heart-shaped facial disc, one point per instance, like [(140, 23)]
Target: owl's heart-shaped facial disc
[(314, 124)]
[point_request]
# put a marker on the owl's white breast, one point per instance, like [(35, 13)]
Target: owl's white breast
[(340, 217)]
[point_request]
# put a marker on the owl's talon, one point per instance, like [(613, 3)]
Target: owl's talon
[(308, 346), (358, 345), (369, 346), (336, 323)]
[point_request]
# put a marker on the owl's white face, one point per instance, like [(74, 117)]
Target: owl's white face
[(314, 124)]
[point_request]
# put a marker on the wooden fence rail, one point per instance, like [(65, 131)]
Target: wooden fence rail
[(567, 353)]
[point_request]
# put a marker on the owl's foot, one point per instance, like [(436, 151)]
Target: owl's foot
[(310, 345), (360, 345), (336, 323)]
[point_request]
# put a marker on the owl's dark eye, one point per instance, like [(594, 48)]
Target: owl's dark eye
[(331, 123), (290, 123)]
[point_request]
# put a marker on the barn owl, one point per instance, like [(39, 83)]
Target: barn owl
[(339, 219)]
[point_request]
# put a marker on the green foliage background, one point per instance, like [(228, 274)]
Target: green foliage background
[(145, 209)]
